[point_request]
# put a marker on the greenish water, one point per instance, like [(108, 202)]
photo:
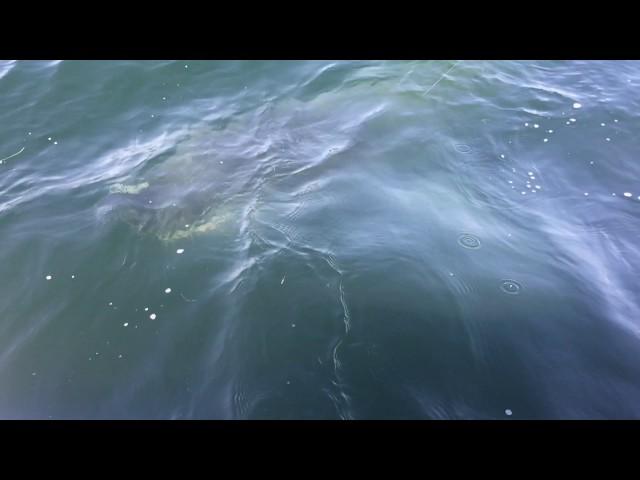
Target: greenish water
[(319, 239)]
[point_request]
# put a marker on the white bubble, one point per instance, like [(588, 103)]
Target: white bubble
[(526, 125), (48, 277), (49, 138), (529, 173), (533, 177), (523, 193), (501, 155), (508, 412), (538, 187), (152, 316), (221, 162), (608, 139), (535, 125), (586, 194), (55, 143), (550, 131), (186, 226), (167, 290), (627, 194), (577, 105), (510, 181), (545, 140), (110, 303), (572, 119), (73, 276), (602, 124), (615, 120), (146, 309), (125, 324), (180, 251)]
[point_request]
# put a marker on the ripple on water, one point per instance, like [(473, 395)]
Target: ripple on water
[(468, 240), (462, 148), (511, 287)]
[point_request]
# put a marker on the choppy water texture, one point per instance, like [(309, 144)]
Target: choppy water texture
[(429, 239)]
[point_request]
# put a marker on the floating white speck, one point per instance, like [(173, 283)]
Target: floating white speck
[(523, 193), (164, 98), (110, 303), (533, 177), (34, 374), (30, 132), (501, 155), (180, 251), (282, 281), (293, 325), (120, 356), (602, 124), (125, 324), (186, 226), (167, 290), (508, 412), (529, 173), (613, 194), (550, 131), (526, 124), (73, 276), (221, 162), (572, 120), (146, 309), (577, 105), (615, 120), (586, 194), (545, 140), (152, 316), (150, 201), (608, 139), (568, 123), (186, 66), (627, 194), (55, 143), (510, 181), (591, 162), (538, 187), (451, 274), (535, 125), (48, 277), (49, 138)]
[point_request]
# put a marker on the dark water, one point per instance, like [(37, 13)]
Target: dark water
[(419, 240)]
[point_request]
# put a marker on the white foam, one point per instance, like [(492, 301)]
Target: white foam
[(501, 155), (125, 324), (73, 276), (545, 140), (602, 124), (48, 277), (550, 131), (615, 120), (577, 105), (180, 251), (529, 173), (572, 119), (146, 309), (627, 194), (586, 194), (167, 290), (538, 187), (535, 125), (152, 316), (526, 124), (608, 139), (508, 412)]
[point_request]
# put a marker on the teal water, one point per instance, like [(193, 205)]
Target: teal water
[(319, 239)]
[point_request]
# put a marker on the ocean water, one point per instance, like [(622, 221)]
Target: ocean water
[(319, 239)]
